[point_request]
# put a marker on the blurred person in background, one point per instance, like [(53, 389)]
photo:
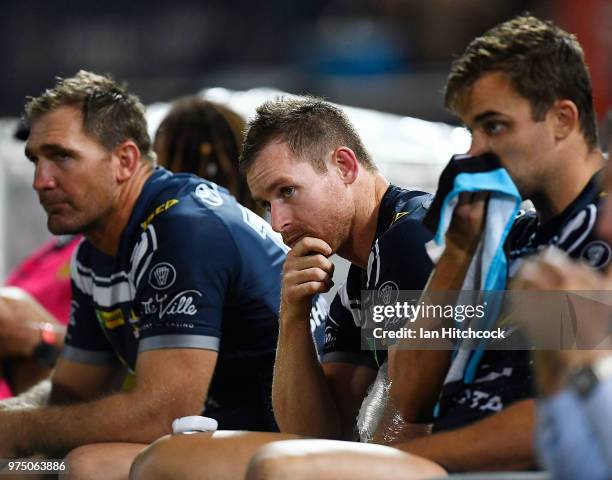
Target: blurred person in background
[(204, 138)]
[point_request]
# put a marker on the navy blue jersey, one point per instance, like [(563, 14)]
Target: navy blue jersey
[(194, 269), (504, 376), (398, 261)]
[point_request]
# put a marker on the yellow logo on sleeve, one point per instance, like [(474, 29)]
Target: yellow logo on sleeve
[(160, 209)]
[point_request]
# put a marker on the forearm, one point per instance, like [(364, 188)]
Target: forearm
[(303, 402), (500, 442), (417, 375), (123, 417)]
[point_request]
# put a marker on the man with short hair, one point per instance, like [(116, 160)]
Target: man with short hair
[(305, 163), (175, 282), (524, 91)]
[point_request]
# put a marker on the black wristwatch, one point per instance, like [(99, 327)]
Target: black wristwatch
[(585, 379), (46, 352)]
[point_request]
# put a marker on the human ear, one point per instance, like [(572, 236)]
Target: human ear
[(128, 156), (346, 163), (566, 118)]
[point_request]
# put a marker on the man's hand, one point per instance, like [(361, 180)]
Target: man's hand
[(553, 270), (307, 271), (21, 318), (468, 223)]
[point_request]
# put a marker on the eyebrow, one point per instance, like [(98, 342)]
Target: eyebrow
[(49, 148), (273, 186), (481, 117)]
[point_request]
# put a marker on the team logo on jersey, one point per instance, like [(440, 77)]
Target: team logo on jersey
[(398, 215), (162, 276), (209, 194), (158, 210), (388, 292), (597, 254), (111, 319)]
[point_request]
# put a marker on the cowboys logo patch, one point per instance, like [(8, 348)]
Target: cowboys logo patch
[(596, 254), (388, 292), (162, 276)]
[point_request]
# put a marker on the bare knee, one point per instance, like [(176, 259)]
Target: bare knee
[(85, 463), (333, 460), (272, 462), (153, 462)]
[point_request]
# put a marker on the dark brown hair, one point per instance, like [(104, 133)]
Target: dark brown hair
[(201, 137), (543, 62)]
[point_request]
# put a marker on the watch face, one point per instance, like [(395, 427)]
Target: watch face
[(584, 381), (45, 355)]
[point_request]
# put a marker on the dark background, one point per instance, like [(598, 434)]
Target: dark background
[(391, 55)]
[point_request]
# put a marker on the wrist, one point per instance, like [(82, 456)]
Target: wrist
[(585, 378), (291, 313), (457, 255), (554, 367)]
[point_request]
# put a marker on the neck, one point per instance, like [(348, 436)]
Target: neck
[(570, 179), (367, 204), (107, 234)]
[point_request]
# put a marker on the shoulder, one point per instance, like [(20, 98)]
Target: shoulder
[(406, 204)]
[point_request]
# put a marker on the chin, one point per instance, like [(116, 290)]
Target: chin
[(59, 228)]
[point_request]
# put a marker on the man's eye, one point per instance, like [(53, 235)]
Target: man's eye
[(493, 128), (61, 156), (287, 192)]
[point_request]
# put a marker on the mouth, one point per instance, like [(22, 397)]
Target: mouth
[(52, 206), (291, 241)]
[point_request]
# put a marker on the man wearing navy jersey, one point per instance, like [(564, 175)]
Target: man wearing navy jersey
[(175, 283), (307, 166)]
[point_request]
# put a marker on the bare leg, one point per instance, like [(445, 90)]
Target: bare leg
[(335, 460), (108, 461), (224, 455)]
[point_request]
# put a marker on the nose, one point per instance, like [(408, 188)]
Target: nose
[(280, 217), (479, 145), (43, 176)]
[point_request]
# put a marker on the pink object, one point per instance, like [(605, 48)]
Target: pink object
[(46, 276), (5, 391)]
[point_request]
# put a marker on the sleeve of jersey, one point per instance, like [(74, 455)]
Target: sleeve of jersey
[(343, 336), (183, 267), (85, 340)]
